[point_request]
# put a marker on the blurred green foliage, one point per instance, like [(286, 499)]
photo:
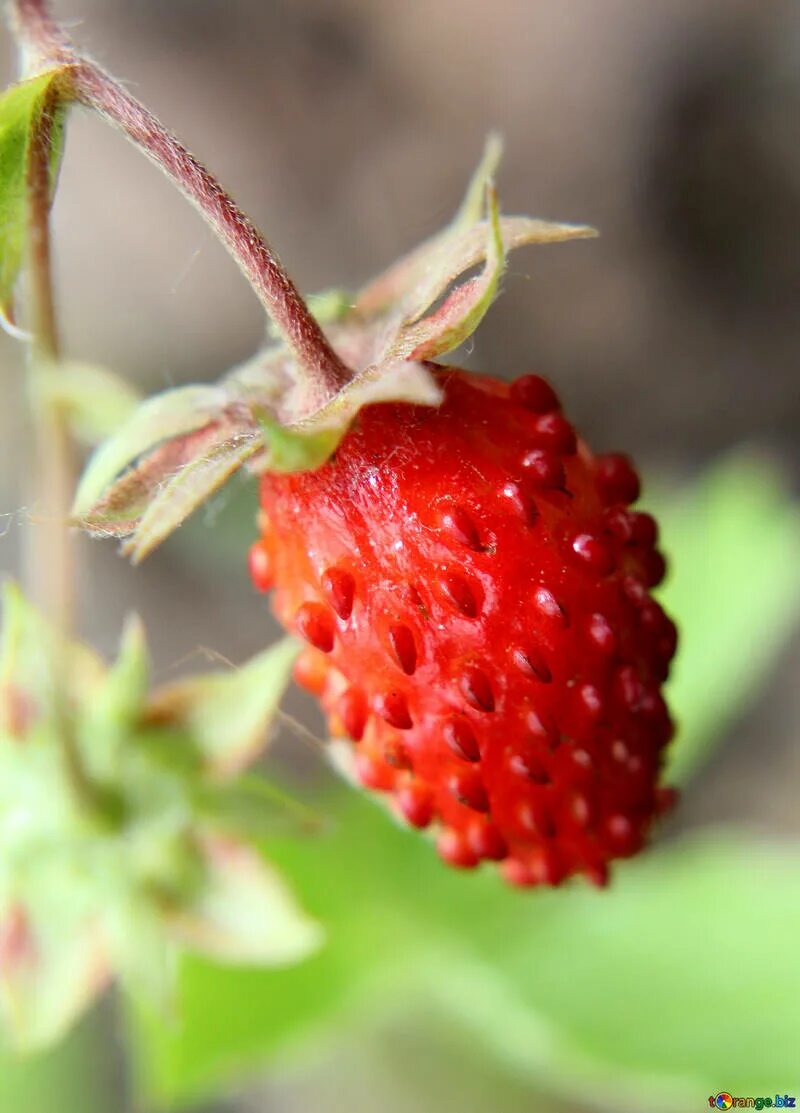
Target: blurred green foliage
[(74, 1077), (680, 979), (22, 107), (733, 541)]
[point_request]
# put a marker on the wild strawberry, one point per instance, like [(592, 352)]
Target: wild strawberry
[(474, 594)]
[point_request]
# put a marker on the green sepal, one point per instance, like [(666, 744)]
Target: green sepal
[(227, 715), (260, 416), (291, 450)]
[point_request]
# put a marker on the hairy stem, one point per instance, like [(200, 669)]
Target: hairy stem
[(49, 559), (322, 370)]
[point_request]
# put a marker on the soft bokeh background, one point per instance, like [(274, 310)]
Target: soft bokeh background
[(347, 131)]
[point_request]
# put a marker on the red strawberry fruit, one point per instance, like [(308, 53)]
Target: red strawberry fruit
[(474, 592)]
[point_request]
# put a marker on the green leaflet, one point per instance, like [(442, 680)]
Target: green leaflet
[(118, 842), (654, 981), (244, 912), (733, 543), (21, 108), (77, 1068), (228, 714)]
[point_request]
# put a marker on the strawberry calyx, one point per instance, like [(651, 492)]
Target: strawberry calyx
[(180, 446)]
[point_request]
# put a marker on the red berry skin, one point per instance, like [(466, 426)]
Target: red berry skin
[(482, 625)]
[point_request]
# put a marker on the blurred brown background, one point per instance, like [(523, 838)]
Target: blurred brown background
[(347, 130)]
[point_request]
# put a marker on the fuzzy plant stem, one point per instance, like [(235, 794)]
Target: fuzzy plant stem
[(49, 550), (49, 558), (323, 373)]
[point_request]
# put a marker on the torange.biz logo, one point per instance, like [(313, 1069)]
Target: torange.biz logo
[(727, 1101)]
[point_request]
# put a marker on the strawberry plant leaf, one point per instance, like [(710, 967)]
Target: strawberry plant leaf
[(244, 912), (472, 205), (29, 696), (21, 108), (122, 508), (236, 1021), (125, 686), (117, 704), (648, 990), (734, 547), (107, 858), (228, 714), (78, 1066), (143, 956), (590, 990), (456, 255), (52, 963)]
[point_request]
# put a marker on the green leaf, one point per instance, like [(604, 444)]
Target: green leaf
[(79, 1069), (680, 975), (243, 912), (109, 718), (53, 966), (228, 714), (733, 543), (21, 109), (37, 669), (127, 681), (235, 1021), (144, 958), (680, 980), (107, 852)]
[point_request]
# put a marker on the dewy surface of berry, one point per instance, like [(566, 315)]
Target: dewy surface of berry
[(473, 590)]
